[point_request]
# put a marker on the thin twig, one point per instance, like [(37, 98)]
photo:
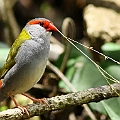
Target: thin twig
[(61, 75)]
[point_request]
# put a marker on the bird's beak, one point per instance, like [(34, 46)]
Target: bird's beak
[(51, 27)]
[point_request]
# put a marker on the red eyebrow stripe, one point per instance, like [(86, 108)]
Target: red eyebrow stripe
[(33, 22)]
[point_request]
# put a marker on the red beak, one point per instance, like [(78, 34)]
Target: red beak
[(51, 27)]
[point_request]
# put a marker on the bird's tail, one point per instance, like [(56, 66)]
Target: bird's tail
[(3, 96)]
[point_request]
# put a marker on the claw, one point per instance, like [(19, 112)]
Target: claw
[(22, 108), (43, 100)]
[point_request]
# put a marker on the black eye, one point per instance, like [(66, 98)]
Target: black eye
[(41, 24)]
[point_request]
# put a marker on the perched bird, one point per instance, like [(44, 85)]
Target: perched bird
[(26, 60)]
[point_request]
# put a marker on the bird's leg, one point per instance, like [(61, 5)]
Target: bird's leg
[(36, 100), (22, 108)]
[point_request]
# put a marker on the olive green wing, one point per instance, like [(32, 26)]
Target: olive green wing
[(10, 61)]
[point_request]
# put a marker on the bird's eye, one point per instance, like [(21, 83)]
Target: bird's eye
[(41, 24)]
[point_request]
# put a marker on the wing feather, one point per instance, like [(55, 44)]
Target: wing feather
[(10, 61)]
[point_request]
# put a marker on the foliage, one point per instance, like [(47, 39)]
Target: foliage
[(4, 49), (83, 75)]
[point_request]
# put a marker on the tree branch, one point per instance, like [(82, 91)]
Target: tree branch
[(64, 101)]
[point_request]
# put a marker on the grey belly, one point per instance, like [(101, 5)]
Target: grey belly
[(19, 80)]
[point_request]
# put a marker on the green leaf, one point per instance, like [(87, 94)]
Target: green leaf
[(98, 107), (114, 71), (83, 75), (3, 45), (112, 50), (109, 109), (2, 108), (4, 50), (111, 47)]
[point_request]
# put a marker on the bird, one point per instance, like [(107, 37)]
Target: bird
[(26, 61)]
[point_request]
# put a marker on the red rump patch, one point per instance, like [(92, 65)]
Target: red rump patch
[(0, 83), (44, 23)]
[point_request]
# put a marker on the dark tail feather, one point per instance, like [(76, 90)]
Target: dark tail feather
[(2, 96)]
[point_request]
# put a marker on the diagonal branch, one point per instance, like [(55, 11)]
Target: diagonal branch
[(64, 101)]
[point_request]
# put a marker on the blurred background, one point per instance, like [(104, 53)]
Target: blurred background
[(93, 23)]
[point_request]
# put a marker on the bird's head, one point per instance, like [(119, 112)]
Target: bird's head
[(39, 26), (48, 25)]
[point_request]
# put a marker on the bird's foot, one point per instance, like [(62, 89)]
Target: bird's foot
[(43, 100), (22, 108)]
